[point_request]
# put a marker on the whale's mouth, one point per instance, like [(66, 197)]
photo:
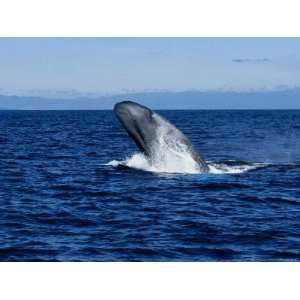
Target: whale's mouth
[(128, 110), (121, 110)]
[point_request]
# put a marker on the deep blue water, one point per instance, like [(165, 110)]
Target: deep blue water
[(60, 201)]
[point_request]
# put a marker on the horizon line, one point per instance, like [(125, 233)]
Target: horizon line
[(58, 94)]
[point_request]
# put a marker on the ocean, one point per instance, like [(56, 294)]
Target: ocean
[(74, 187)]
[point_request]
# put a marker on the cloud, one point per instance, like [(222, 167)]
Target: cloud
[(251, 60)]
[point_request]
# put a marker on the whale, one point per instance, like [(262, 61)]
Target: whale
[(156, 136)]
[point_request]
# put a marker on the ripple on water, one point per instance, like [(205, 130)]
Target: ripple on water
[(60, 199)]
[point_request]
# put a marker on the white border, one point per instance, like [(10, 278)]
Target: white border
[(149, 18), (151, 281), (165, 280)]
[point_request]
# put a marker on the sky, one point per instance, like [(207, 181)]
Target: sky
[(74, 66)]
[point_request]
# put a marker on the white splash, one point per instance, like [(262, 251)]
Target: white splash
[(140, 162), (224, 168), (172, 155)]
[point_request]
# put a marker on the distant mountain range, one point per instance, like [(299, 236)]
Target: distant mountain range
[(283, 99)]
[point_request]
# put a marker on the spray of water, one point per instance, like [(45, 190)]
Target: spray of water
[(140, 162), (171, 155)]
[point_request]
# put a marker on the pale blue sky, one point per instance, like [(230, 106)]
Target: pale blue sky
[(111, 65)]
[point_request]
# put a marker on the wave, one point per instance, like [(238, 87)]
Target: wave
[(185, 166), (237, 168)]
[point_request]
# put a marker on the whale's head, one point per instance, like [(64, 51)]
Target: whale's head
[(139, 122)]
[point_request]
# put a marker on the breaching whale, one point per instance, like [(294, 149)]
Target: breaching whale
[(153, 134)]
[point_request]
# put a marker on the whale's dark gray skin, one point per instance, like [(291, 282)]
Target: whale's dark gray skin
[(146, 128)]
